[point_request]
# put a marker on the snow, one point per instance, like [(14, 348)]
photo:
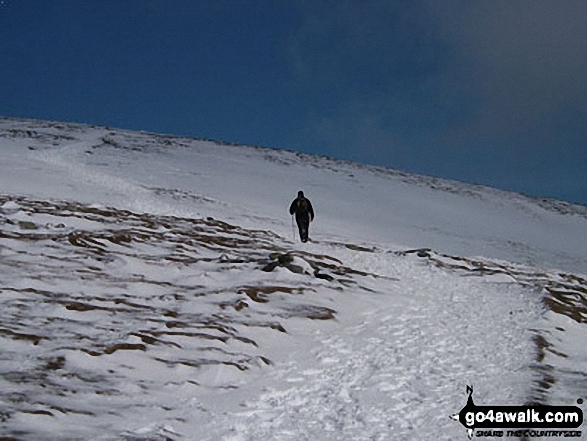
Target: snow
[(143, 298)]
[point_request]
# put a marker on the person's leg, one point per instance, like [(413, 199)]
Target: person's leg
[(304, 226), (302, 231)]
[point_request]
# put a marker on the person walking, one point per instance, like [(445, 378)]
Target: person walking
[(302, 208)]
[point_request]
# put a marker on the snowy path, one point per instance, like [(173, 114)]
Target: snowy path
[(399, 368)]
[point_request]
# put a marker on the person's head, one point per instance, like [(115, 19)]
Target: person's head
[(300, 194)]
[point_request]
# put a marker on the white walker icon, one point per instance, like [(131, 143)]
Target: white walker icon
[(457, 416)]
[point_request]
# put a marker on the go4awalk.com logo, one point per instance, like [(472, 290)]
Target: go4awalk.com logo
[(520, 421)]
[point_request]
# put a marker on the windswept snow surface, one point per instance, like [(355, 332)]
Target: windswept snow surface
[(151, 287)]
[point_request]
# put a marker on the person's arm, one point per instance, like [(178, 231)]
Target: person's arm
[(292, 207), (310, 211)]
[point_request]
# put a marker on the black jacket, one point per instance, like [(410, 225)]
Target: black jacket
[(302, 208)]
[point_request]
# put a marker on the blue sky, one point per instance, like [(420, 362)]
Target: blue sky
[(491, 92)]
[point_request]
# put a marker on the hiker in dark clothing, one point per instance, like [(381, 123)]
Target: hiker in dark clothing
[(304, 212)]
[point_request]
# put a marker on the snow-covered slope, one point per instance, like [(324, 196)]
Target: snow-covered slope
[(151, 288)]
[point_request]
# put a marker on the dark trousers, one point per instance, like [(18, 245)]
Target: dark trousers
[(303, 226)]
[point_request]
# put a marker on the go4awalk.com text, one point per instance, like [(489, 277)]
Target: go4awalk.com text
[(532, 421)]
